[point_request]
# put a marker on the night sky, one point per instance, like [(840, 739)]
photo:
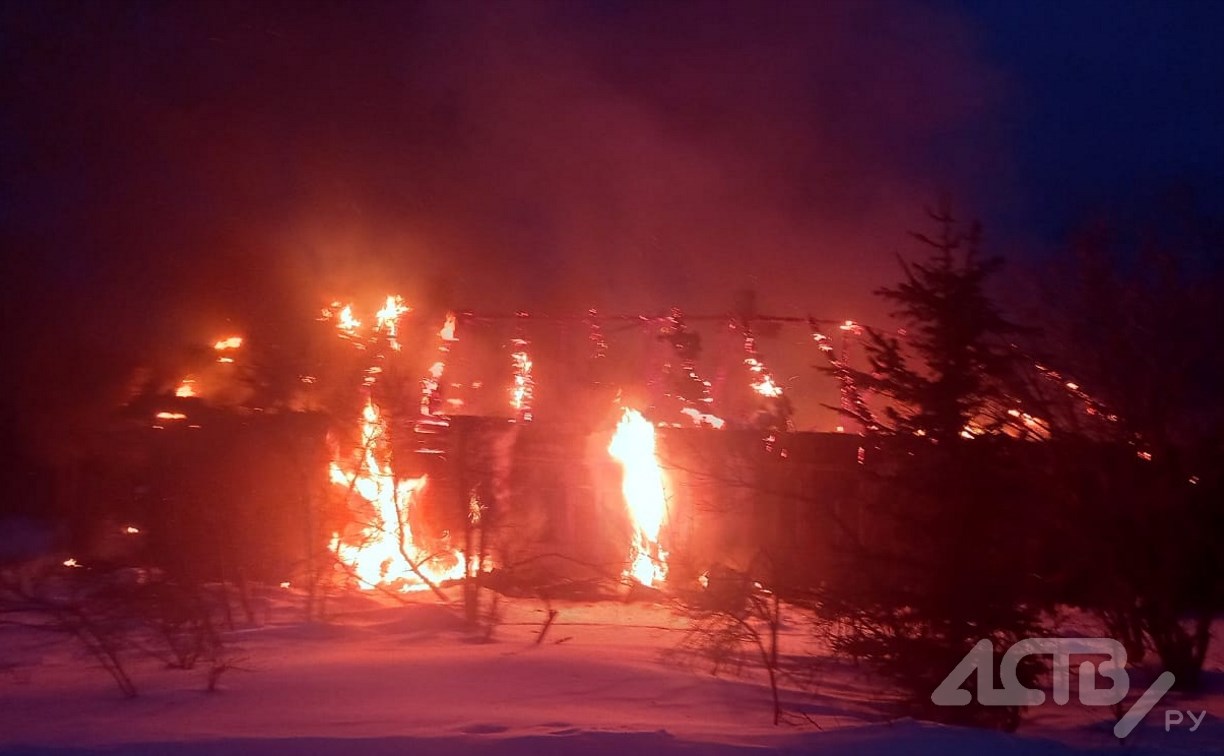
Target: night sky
[(1112, 104), (169, 167)]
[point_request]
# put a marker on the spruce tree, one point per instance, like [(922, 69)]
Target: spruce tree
[(943, 561), (953, 330)]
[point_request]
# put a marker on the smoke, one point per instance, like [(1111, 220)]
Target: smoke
[(182, 166)]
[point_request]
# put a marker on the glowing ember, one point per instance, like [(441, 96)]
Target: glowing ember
[(762, 380), (764, 383), (387, 552), (633, 446), (171, 416), (186, 388)]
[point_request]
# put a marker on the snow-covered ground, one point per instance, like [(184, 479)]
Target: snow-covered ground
[(408, 679)]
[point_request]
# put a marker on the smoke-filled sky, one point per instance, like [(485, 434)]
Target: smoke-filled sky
[(167, 166)]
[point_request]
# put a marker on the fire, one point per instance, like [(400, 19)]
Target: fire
[(229, 344), (764, 383), (524, 385), (387, 551), (232, 342), (186, 389), (346, 323), (388, 318), (762, 380), (633, 446), (431, 384), (448, 328)]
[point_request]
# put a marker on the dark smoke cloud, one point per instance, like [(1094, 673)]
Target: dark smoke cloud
[(169, 166)]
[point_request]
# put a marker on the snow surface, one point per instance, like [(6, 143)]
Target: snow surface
[(409, 679)]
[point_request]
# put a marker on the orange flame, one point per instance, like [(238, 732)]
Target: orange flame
[(387, 552), (346, 323), (431, 384), (229, 344), (764, 383), (524, 385), (186, 388), (448, 328), (388, 318), (633, 446)]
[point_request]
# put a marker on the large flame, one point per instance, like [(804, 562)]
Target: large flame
[(387, 551), (633, 446)]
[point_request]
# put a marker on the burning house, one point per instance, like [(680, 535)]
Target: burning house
[(408, 458)]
